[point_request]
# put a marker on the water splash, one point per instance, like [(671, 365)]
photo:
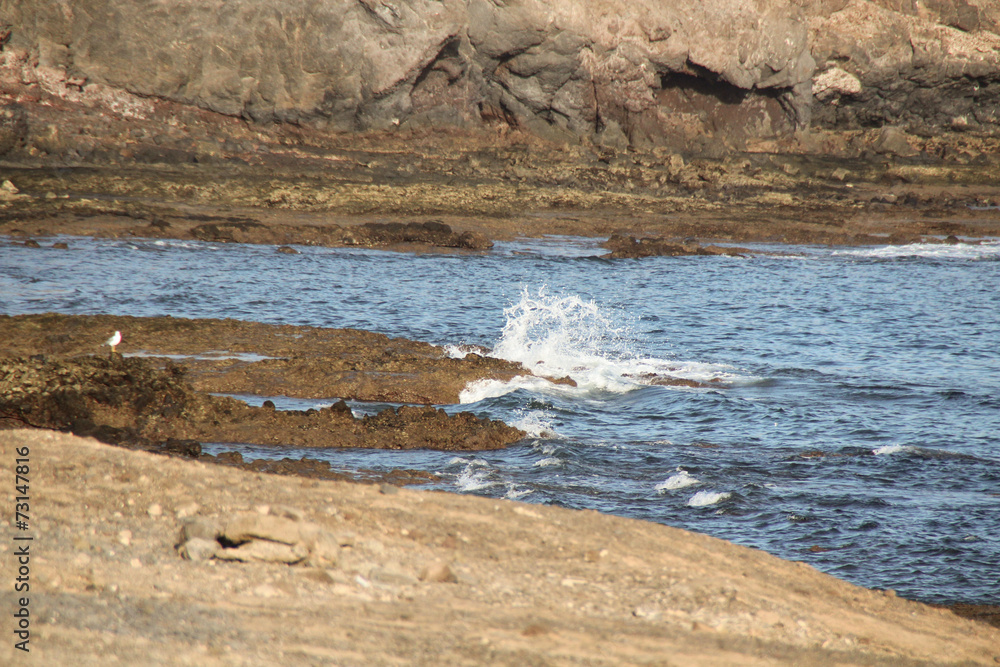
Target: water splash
[(559, 336)]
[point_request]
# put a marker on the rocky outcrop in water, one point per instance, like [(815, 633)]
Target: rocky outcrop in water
[(235, 357), (691, 75), (132, 402), (629, 247), (369, 235)]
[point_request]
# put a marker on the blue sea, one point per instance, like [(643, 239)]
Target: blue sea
[(852, 417)]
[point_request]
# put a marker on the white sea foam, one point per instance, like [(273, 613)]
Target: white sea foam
[(559, 336), (546, 449), (547, 463), (681, 480), (479, 390), (535, 424), (961, 251), (457, 351), (514, 492), (705, 498), (475, 480), (461, 461), (891, 449)]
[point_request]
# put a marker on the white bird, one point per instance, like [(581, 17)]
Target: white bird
[(114, 340)]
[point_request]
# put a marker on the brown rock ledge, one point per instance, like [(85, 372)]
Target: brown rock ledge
[(623, 247), (132, 402), (270, 360), (523, 584)]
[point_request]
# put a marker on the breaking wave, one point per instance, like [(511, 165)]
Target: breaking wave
[(566, 336)]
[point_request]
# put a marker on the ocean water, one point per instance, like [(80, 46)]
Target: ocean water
[(853, 417)]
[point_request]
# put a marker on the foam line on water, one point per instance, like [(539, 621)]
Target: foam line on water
[(957, 251)]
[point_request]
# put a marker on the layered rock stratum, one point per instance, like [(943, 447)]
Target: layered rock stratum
[(691, 75)]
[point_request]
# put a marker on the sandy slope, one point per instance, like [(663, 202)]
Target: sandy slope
[(534, 584)]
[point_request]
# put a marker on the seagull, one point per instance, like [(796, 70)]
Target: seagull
[(114, 340)]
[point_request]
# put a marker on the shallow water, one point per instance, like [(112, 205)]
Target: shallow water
[(853, 423)]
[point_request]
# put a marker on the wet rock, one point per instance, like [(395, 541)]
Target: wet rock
[(133, 402), (182, 447), (629, 247), (433, 233), (287, 250)]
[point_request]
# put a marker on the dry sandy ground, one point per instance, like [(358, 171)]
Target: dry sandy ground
[(415, 578)]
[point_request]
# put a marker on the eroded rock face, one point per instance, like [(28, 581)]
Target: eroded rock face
[(696, 76), (919, 65), (621, 72)]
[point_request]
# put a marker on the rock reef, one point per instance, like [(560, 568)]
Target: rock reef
[(131, 402), (622, 247), (158, 395), (237, 357)]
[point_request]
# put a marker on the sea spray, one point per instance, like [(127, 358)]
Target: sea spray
[(558, 336)]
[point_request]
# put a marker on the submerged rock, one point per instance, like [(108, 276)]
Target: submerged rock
[(622, 247)]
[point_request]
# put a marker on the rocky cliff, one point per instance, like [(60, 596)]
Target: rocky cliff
[(690, 75)]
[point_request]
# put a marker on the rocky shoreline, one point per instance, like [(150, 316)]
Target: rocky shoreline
[(819, 133), (662, 129)]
